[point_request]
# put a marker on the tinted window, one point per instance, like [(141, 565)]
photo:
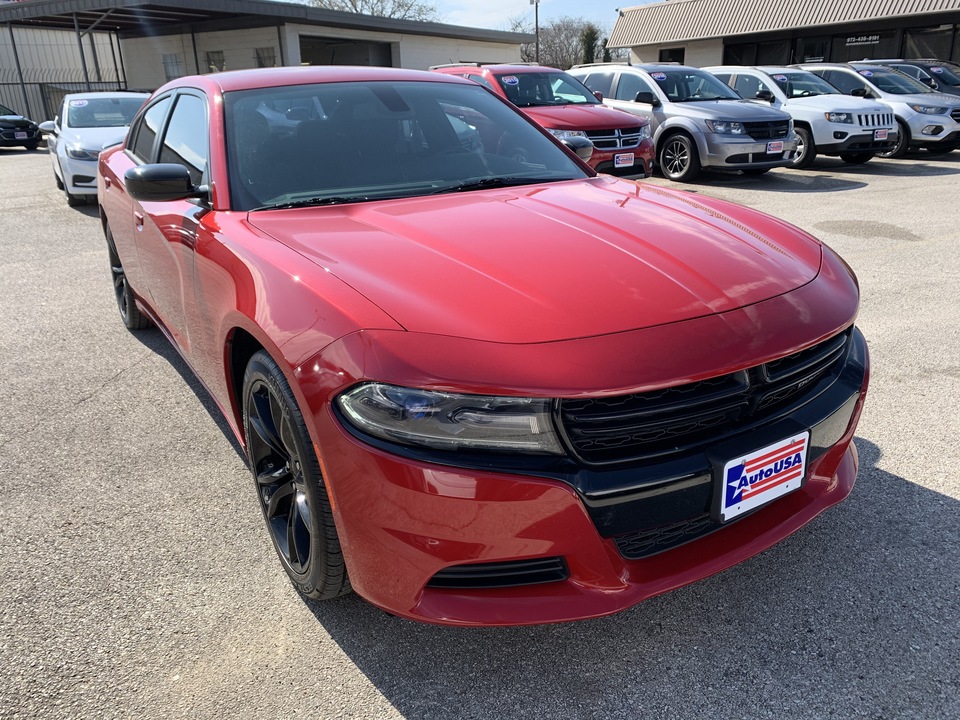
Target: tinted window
[(185, 141), (147, 129), (382, 140), (691, 85), (101, 112), (544, 88), (748, 86), (602, 81), (842, 81), (629, 85), (891, 81)]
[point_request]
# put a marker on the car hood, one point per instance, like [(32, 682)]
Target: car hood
[(93, 138), (16, 121), (582, 117), (745, 110), (838, 103), (551, 262)]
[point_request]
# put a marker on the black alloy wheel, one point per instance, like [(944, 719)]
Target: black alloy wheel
[(678, 158), (133, 318), (289, 483)]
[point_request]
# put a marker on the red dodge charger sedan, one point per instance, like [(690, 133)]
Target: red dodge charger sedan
[(480, 388)]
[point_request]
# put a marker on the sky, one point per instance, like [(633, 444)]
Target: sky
[(496, 14)]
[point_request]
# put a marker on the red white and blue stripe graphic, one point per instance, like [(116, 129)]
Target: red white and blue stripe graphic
[(763, 475)]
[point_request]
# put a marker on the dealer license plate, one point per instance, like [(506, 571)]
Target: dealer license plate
[(20, 136), (880, 134), (775, 146), (756, 478), (623, 160)]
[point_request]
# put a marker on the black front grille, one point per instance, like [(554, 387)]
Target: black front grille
[(678, 419), (955, 114), (616, 138), (501, 574), (767, 130)]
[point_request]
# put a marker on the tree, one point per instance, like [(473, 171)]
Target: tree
[(563, 43), (589, 42), (397, 9)]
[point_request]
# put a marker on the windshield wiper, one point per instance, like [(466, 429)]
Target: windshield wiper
[(494, 182), (316, 202)]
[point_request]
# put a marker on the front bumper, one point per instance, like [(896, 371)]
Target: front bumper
[(611, 161), (79, 176), (857, 142), (726, 152), (933, 130), (405, 521)]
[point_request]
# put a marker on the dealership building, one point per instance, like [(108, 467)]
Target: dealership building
[(773, 32)]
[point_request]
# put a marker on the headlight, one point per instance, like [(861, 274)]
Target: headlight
[(81, 153), (448, 421), (725, 127), (644, 132), (839, 117), (930, 109), (561, 134)]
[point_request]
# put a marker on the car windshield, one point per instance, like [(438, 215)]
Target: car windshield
[(348, 142), (944, 74), (892, 81), (545, 88), (691, 85), (101, 112), (4, 110), (799, 83)]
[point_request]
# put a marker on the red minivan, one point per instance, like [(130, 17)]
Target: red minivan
[(564, 106)]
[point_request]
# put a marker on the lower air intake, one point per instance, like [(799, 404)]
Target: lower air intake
[(512, 573)]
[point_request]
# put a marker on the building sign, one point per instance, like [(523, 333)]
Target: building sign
[(863, 40)]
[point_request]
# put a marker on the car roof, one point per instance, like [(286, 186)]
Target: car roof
[(104, 94), (233, 80), (515, 68)]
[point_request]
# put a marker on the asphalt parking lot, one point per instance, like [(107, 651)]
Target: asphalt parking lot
[(137, 581)]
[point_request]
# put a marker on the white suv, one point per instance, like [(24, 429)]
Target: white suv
[(826, 121), (925, 118), (697, 121)]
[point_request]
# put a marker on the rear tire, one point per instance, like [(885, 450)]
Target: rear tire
[(73, 200), (130, 313)]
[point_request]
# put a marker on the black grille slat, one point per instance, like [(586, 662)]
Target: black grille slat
[(513, 573), (615, 139), (767, 130), (955, 114), (665, 422), (644, 543)]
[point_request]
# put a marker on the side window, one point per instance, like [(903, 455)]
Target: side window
[(602, 81), (842, 81), (147, 130), (185, 141), (629, 85), (747, 86), (480, 79)]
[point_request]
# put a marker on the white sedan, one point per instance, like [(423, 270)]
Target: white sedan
[(85, 124)]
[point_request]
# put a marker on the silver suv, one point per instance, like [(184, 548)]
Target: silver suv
[(697, 121), (925, 118)]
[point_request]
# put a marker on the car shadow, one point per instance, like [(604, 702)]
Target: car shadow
[(790, 181), (853, 616), (155, 341)]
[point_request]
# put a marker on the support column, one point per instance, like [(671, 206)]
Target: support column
[(23, 86), (83, 59)]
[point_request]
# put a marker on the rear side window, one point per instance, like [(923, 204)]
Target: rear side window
[(629, 86), (748, 86), (145, 134), (842, 81), (185, 141), (601, 81)]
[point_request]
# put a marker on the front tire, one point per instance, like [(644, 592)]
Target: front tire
[(679, 160), (903, 142), (289, 483), (806, 150)]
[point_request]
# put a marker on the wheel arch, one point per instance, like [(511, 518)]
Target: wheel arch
[(241, 345)]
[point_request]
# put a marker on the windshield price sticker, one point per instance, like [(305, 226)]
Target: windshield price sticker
[(659, 76), (775, 146), (763, 475), (937, 70), (623, 160), (867, 73), (78, 103), (511, 80), (780, 78), (880, 134)]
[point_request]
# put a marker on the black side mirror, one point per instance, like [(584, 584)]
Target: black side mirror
[(162, 182), (598, 95), (861, 92), (765, 95), (581, 147), (931, 82), (645, 96)]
